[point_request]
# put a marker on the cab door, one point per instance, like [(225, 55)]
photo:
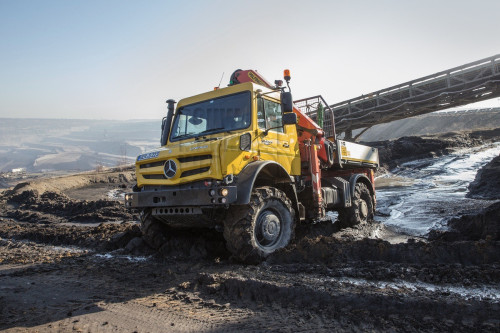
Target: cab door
[(277, 145)]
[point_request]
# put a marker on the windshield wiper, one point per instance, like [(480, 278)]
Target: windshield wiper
[(183, 136), (208, 131), (212, 130)]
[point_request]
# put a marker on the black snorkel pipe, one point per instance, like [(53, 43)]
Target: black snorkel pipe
[(167, 122)]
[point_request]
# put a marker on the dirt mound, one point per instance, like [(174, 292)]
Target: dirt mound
[(31, 206), (394, 152), (357, 245), (472, 227), (486, 185), (435, 123), (44, 200), (105, 236), (62, 183)]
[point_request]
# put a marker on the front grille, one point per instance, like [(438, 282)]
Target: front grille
[(194, 158), (181, 160), (152, 164), (154, 176), (194, 171)]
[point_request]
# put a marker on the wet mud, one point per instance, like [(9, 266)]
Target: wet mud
[(393, 153), (72, 259)]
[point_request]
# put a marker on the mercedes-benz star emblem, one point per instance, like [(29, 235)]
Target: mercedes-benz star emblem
[(170, 169)]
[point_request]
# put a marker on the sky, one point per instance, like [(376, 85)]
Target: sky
[(107, 59)]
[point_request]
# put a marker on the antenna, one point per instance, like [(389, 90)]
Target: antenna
[(220, 80)]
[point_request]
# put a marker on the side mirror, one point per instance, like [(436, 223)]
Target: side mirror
[(195, 121), (286, 101), (289, 118)]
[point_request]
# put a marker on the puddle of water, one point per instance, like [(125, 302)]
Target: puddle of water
[(48, 248), (109, 256), (435, 190), (116, 194), (480, 293)]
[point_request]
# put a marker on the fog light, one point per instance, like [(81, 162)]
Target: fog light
[(223, 200), (224, 192)]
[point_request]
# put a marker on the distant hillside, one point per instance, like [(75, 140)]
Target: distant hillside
[(435, 123), (60, 144)]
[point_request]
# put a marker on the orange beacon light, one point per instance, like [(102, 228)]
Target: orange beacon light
[(286, 75)]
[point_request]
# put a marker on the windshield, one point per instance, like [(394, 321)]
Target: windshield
[(221, 114)]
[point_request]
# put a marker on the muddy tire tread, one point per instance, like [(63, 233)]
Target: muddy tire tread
[(350, 217), (239, 223), (153, 231)]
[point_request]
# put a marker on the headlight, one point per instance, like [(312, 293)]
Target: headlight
[(224, 192)]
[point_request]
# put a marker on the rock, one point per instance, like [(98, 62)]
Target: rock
[(486, 185), (482, 226), (394, 152)]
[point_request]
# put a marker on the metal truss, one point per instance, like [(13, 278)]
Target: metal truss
[(472, 82)]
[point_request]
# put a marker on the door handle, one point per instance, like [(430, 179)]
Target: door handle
[(286, 145)]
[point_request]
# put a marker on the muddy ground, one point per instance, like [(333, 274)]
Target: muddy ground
[(71, 259)]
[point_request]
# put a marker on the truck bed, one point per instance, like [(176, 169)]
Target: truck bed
[(356, 155)]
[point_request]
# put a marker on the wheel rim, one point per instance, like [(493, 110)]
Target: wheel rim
[(363, 209), (268, 229)]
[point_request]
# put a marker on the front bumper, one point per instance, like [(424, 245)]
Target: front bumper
[(182, 197)]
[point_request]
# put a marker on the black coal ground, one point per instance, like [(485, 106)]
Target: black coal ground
[(327, 280)]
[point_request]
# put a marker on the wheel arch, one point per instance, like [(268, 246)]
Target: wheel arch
[(265, 173), (361, 178)]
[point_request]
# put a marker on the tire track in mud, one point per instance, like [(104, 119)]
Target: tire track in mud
[(91, 294), (107, 293), (131, 316), (362, 304)]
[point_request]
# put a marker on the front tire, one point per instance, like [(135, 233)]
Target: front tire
[(154, 233), (261, 227), (361, 210)]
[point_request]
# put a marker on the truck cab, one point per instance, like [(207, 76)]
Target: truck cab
[(216, 134)]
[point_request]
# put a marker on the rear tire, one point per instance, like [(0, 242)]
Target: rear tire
[(266, 224), (361, 210), (154, 233)]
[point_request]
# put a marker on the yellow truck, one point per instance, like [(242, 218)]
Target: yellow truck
[(248, 161)]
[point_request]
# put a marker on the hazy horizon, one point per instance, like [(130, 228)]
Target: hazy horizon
[(44, 145), (487, 104)]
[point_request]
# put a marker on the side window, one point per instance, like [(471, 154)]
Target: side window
[(261, 119), (269, 115)]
